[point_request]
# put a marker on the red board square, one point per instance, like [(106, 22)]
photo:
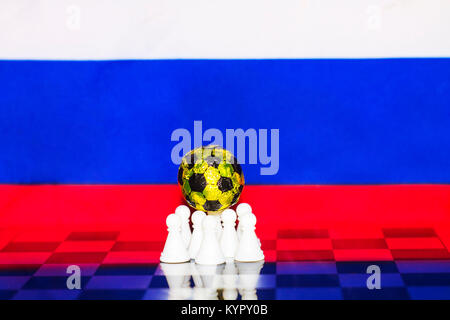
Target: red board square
[(303, 233), (303, 255), (270, 255), (414, 243), (85, 246), (363, 255), (423, 254), (76, 257), (359, 244), (361, 232), (24, 257), (408, 232), (304, 244), (138, 246), (124, 257), (31, 247)]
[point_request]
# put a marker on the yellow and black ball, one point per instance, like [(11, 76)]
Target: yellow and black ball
[(211, 179)]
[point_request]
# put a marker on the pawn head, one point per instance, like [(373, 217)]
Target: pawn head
[(173, 221), (228, 215), (197, 217), (243, 209), (248, 220), (183, 211)]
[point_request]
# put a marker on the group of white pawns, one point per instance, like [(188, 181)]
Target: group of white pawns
[(214, 239)]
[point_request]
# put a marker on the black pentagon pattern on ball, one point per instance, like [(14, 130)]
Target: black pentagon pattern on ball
[(237, 195), (225, 184), (191, 160), (213, 150), (236, 166), (180, 176), (235, 198), (197, 182), (213, 161), (212, 205)]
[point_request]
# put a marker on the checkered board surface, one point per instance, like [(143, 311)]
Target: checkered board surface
[(300, 264)]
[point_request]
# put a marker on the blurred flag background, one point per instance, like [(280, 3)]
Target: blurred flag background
[(90, 92)]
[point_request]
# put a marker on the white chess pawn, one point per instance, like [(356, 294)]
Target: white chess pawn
[(174, 249), (249, 248), (184, 213), (229, 240), (197, 233), (209, 252), (242, 209), (219, 228), (239, 228)]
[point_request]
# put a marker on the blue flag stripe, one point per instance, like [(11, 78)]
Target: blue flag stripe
[(340, 121)]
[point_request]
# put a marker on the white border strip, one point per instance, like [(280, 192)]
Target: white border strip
[(223, 29)]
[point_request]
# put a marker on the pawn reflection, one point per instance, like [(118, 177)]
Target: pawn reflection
[(198, 282), (248, 279), (212, 282), (230, 281), (178, 277)]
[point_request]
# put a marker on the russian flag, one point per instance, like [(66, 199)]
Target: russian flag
[(91, 92)]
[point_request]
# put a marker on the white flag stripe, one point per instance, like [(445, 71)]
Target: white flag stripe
[(232, 29)]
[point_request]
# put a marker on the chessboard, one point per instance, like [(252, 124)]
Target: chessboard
[(299, 264)]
